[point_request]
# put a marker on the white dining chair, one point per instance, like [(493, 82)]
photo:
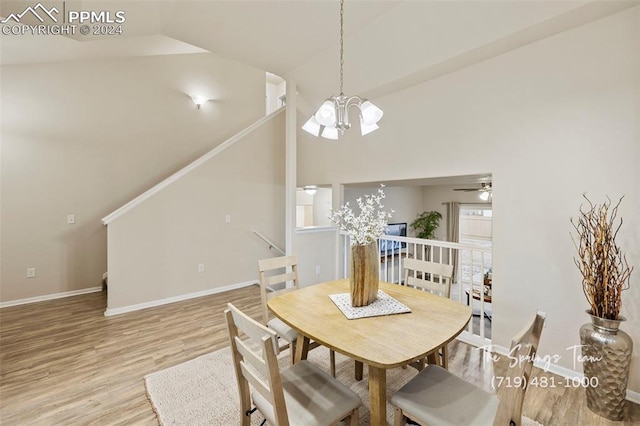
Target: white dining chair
[(434, 278), (302, 394), (438, 397), (275, 274)]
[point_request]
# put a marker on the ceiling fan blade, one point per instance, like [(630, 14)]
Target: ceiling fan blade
[(467, 189)]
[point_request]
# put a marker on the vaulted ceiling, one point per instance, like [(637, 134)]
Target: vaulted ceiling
[(389, 45)]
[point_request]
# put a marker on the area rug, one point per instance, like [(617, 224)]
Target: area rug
[(203, 391)]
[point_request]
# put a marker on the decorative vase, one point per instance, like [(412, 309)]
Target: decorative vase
[(606, 352), (364, 279)]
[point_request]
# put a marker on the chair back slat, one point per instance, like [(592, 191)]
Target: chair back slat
[(248, 327), (256, 381), (273, 271), (270, 295), (251, 357), (276, 262), (522, 354), (430, 276), (282, 278), (440, 289)]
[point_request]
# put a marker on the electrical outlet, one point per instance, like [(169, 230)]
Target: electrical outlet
[(71, 219), (31, 272), (227, 218), (317, 269), (200, 267)]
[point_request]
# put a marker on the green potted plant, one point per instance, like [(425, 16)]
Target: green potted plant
[(426, 224), (605, 275)]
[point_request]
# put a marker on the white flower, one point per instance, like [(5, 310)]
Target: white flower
[(367, 227)]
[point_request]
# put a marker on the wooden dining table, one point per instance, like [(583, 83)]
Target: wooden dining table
[(380, 342)]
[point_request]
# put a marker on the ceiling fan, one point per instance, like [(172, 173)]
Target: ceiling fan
[(486, 186), (485, 190)]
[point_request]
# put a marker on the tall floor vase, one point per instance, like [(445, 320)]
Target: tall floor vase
[(607, 357), (364, 279)]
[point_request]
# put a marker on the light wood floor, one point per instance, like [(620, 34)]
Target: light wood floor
[(63, 362)]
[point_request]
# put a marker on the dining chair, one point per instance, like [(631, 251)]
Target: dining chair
[(437, 397), (301, 394), (275, 274), (434, 278)]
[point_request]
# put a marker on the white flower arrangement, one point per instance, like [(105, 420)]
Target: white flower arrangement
[(367, 227)]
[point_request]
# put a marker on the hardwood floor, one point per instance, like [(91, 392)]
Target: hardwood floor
[(63, 362)]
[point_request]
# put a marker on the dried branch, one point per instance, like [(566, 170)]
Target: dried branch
[(604, 268)]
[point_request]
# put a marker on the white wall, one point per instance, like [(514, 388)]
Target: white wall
[(559, 116), (315, 248), (322, 207), (304, 209), (405, 201), (155, 248), (84, 138)]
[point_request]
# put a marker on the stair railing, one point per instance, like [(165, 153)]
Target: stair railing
[(271, 244)]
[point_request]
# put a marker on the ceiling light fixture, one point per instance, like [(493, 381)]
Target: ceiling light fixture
[(486, 191), (199, 100), (310, 189), (333, 115)]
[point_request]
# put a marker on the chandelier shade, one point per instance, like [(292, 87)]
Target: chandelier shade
[(371, 114), (365, 128), (312, 126), (332, 118), (326, 114), (329, 133)]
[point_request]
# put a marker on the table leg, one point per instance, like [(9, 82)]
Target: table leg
[(378, 395), (302, 347), (358, 369), (432, 358)]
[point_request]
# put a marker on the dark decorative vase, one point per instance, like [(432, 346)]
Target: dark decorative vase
[(607, 357), (364, 279)]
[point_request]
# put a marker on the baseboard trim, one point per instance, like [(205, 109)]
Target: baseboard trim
[(160, 302), (562, 371), (49, 297)]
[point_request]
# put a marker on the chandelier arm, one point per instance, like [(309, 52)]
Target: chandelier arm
[(354, 100)]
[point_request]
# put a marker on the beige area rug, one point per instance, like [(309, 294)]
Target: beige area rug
[(203, 391)]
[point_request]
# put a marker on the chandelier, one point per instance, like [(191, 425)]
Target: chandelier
[(333, 115)]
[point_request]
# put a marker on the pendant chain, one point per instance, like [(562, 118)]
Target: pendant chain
[(341, 46)]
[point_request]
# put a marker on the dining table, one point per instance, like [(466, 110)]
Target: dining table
[(381, 342)]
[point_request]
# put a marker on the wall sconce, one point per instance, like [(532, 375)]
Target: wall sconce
[(310, 189), (199, 100)]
